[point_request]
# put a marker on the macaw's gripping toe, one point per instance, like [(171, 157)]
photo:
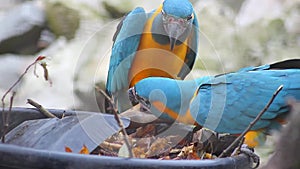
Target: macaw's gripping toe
[(250, 152)]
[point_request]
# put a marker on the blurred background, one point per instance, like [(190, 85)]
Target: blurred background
[(76, 38)]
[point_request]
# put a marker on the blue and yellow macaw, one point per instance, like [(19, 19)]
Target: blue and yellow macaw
[(162, 43), (226, 103)]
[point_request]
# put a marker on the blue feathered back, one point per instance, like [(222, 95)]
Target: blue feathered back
[(228, 103)]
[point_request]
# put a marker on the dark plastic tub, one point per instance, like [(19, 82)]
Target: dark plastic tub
[(27, 158), (17, 157), (19, 115)]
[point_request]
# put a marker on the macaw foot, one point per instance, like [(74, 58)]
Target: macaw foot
[(250, 152)]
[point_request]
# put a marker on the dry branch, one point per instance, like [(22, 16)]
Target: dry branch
[(20, 78), (6, 115), (119, 121), (6, 118), (41, 108)]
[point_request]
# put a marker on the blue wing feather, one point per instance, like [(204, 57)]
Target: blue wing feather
[(286, 64), (123, 50), (228, 103)]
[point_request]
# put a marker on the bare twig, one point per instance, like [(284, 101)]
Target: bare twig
[(236, 150), (34, 71), (6, 118), (38, 59), (252, 123), (41, 108), (119, 121), (20, 78)]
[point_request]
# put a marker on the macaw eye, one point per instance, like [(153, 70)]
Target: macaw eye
[(169, 19)]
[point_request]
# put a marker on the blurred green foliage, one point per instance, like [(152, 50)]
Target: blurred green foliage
[(62, 20), (228, 46)]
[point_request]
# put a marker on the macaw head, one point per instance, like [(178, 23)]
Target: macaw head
[(176, 94), (154, 89), (177, 16), (166, 98)]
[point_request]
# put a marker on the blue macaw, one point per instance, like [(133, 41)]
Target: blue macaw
[(162, 43), (225, 103)]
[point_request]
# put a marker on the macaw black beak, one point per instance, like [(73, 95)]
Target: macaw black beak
[(174, 29), (132, 96), (173, 34), (135, 99)]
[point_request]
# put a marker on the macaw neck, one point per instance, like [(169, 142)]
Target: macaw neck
[(180, 96), (170, 98), (174, 103), (154, 58)]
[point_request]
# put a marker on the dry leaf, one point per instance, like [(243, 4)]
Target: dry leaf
[(139, 152), (84, 150), (145, 131), (68, 149), (159, 146)]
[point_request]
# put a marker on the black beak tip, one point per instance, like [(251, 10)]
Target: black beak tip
[(172, 46), (172, 43)]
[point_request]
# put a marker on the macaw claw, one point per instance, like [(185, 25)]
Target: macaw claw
[(250, 152)]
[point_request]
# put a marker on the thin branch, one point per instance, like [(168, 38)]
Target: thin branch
[(253, 122), (19, 79), (34, 71), (38, 59), (238, 148), (9, 90), (98, 89), (119, 121), (41, 108), (6, 118)]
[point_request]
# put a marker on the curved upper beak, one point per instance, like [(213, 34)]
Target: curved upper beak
[(174, 30)]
